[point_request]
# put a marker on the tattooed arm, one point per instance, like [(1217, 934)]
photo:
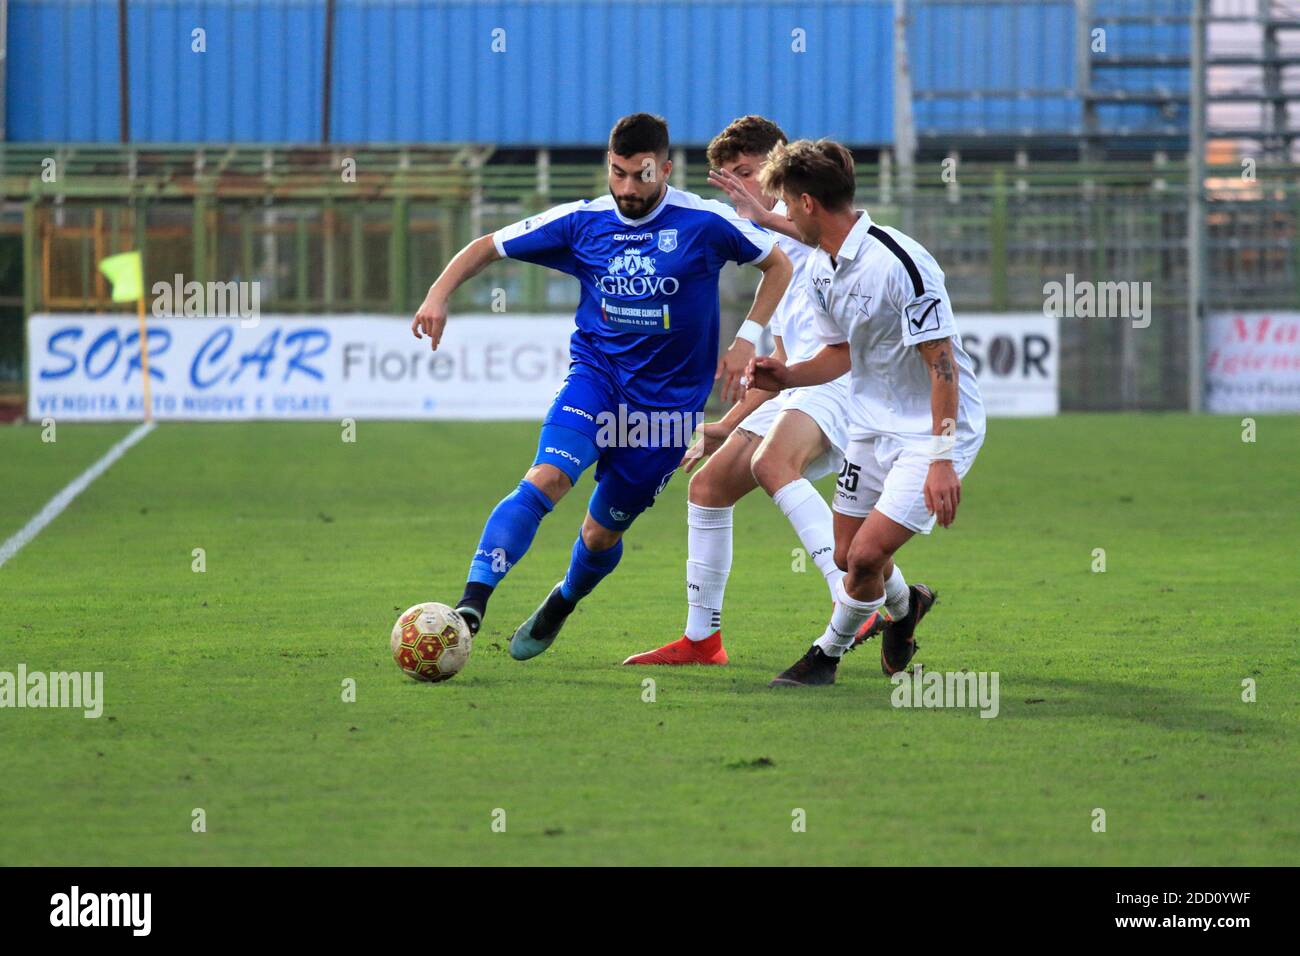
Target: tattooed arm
[(942, 486)]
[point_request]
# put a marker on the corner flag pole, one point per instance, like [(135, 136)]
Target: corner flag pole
[(144, 359), (126, 273)]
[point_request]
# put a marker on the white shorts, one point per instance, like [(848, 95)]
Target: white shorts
[(827, 405), (880, 472)]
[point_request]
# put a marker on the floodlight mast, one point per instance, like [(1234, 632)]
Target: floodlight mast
[(1196, 213)]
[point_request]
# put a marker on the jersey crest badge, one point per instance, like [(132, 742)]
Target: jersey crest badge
[(923, 315), (667, 240), (631, 262)]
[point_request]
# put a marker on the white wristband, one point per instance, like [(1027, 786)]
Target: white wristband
[(750, 331), (941, 447)]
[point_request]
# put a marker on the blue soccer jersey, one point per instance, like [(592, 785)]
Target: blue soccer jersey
[(648, 313)]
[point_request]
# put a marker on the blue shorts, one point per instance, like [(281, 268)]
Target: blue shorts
[(635, 450)]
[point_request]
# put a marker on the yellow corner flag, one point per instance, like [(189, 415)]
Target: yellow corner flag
[(126, 275)]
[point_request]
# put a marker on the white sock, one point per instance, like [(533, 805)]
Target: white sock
[(708, 562), (897, 596), (847, 617), (811, 517)]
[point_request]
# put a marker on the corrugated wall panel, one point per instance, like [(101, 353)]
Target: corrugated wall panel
[(62, 82), (409, 71), (259, 79), (993, 67), (1152, 38), (425, 71)]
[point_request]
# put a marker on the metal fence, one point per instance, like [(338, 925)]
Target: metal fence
[(321, 241)]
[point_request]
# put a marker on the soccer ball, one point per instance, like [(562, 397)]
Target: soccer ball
[(431, 642)]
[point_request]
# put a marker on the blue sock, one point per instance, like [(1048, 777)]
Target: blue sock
[(509, 531), (587, 568)]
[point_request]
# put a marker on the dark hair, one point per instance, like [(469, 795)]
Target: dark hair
[(822, 169), (639, 133), (748, 136)]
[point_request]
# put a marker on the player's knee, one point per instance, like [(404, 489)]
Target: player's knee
[(866, 558), (549, 480), (597, 537), (772, 470), (705, 490), (842, 556)]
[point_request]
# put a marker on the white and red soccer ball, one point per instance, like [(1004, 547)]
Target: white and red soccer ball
[(431, 642)]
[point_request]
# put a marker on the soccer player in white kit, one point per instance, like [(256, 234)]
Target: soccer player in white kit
[(779, 442), (916, 421)]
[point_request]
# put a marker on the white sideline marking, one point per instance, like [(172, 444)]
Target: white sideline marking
[(54, 507)]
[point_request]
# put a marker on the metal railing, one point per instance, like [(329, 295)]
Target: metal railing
[(333, 230)]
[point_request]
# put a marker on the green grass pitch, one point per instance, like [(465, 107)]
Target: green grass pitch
[(1119, 690)]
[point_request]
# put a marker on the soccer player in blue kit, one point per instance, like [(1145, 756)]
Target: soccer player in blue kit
[(646, 343)]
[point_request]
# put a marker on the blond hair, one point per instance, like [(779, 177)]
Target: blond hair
[(823, 169)]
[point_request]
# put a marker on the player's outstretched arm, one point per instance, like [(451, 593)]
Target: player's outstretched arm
[(777, 270), (713, 434), (942, 486), (827, 365), (431, 317)]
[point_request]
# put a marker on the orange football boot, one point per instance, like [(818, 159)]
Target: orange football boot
[(685, 651), (872, 626)]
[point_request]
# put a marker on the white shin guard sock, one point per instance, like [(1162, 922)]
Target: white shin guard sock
[(848, 616), (811, 517), (708, 563), (897, 596)]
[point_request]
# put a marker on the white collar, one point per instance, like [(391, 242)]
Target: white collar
[(857, 235)]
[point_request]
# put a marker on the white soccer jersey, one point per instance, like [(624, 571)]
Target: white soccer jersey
[(793, 319), (884, 295)]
